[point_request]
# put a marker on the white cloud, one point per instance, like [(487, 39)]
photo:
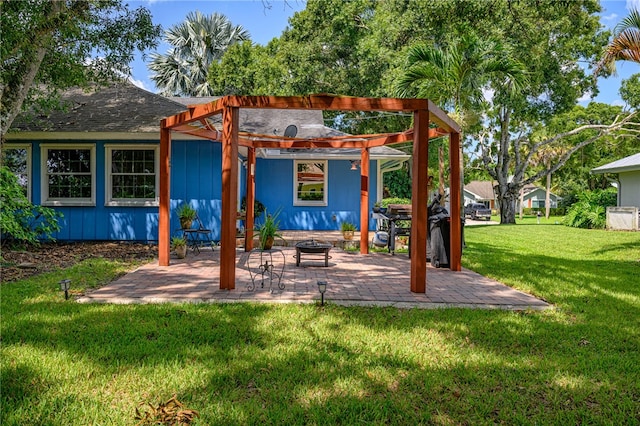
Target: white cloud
[(139, 83), (618, 102), (633, 4), (488, 94), (585, 98), (611, 17)]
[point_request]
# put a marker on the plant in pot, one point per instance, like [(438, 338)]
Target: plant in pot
[(268, 231), (376, 207), (348, 230), (179, 246), (186, 215)]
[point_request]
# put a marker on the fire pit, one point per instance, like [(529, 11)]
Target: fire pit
[(313, 247)]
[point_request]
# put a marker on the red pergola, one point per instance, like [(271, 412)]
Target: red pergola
[(195, 122)]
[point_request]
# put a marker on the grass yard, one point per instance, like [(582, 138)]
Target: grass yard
[(64, 363)]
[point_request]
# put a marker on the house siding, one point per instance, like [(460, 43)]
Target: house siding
[(196, 179), (274, 188), (630, 189)]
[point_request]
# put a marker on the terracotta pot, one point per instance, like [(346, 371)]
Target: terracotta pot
[(348, 235), (181, 252), (267, 244), (185, 223)]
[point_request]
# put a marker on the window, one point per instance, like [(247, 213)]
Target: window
[(132, 175), (310, 183), (68, 177), (17, 157)]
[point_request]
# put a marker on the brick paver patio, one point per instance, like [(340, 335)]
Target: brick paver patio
[(378, 279)]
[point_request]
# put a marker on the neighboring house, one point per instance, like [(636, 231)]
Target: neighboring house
[(628, 171), (478, 191), (626, 216), (483, 192), (534, 197), (97, 162)]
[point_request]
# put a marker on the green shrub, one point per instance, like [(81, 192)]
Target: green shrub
[(385, 202), (590, 211), (21, 221)]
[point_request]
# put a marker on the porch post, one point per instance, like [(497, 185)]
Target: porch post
[(251, 197), (229, 197), (364, 201), (419, 195), (164, 246), (454, 200)]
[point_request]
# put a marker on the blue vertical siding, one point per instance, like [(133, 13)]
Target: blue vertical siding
[(274, 188), (196, 179)]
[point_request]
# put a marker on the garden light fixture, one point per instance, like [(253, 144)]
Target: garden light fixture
[(64, 286), (322, 287)]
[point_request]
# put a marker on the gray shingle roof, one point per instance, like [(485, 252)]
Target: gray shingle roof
[(121, 107), (627, 164), (483, 189), (125, 108)]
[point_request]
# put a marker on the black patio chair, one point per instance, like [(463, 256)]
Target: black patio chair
[(196, 236)]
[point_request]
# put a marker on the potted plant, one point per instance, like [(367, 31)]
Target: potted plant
[(348, 230), (376, 207), (179, 245), (268, 231), (186, 214)]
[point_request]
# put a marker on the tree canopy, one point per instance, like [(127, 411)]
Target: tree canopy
[(49, 45)]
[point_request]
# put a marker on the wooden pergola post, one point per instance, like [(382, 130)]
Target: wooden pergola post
[(230, 121), (364, 201), (455, 232), (164, 241), (419, 197), (251, 197)]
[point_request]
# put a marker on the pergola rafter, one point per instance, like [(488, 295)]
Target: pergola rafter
[(195, 122)]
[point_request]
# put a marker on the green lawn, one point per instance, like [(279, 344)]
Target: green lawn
[(69, 364)]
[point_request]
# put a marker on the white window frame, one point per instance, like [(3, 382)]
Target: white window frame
[(44, 192), (296, 201), (132, 202), (27, 147)]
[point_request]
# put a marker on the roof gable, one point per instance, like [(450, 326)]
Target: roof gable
[(482, 189), (627, 164)]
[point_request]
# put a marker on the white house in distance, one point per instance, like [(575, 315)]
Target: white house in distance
[(478, 191), (625, 215)]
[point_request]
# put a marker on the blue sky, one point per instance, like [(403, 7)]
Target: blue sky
[(264, 23)]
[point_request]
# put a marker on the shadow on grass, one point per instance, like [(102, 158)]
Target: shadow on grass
[(252, 363)]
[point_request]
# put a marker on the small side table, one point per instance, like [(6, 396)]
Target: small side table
[(261, 263)]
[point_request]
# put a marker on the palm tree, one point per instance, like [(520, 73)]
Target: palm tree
[(197, 42), (457, 76), (625, 45)]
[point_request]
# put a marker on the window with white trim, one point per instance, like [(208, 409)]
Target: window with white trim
[(17, 158), (68, 175), (310, 183), (132, 175)]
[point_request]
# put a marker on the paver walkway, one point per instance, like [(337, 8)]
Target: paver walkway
[(378, 279)]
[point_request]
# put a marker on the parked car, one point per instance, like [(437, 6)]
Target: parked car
[(477, 211)]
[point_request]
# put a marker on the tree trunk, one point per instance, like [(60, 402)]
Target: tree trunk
[(547, 198), (507, 201), (521, 209)]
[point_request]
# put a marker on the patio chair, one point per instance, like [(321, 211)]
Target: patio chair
[(196, 236)]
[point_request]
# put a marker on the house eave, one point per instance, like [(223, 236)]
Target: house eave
[(138, 136)]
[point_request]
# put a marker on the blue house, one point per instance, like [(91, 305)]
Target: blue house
[(97, 162)]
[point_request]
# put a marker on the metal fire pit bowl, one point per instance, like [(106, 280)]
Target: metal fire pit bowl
[(313, 247)]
